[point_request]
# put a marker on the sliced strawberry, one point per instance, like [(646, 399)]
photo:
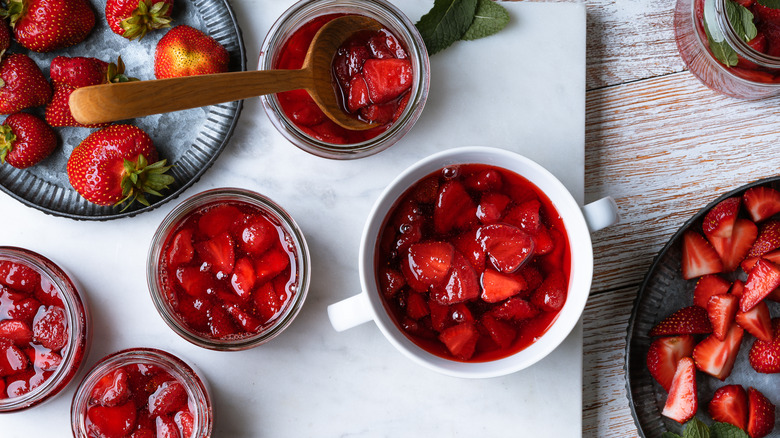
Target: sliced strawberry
[(16, 331), (716, 357), (244, 320), (380, 113), (491, 207), (45, 360), (485, 181), (733, 249), (761, 281), (454, 208), (181, 250), (551, 295), (502, 333), (460, 340), (698, 256), (267, 302), (258, 235), (761, 202), (357, 97), (737, 289), (243, 278), (686, 321), (757, 321), (387, 78), (195, 311), (730, 405), (165, 427), (416, 306), (664, 354), (427, 264), (218, 219), (440, 316), (219, 253), (706, 287), (24, 310), (167, 398), (18, 276), (194, 281), (543, 242), (498, 287), (48, 294), (515, 309), (765, 356), (682, 403), (719, 221), (112, 389), (469, 246), (185, 423), (390, 281), (526, 216), (50, 328), (111, 421), (220, 323), (462, 284), (750, 262), (721, 310), (768, 239), (12, 359), (272, 263), (761, 414), (508, 247)]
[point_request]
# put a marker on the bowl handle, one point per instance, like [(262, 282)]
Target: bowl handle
[(601, 214), (350, 312)]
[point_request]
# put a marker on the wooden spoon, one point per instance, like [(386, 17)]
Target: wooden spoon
[(111, 102)]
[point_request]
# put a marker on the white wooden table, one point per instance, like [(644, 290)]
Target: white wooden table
[(663, 145)]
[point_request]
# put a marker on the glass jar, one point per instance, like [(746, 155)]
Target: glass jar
[(51, 308), (735, 60), (227, 307), (391, 18), (153, 389)]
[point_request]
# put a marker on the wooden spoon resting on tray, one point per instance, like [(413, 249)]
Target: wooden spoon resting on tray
[(111, 102)]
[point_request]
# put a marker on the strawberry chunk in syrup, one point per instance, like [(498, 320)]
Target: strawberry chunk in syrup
[(470, 286)]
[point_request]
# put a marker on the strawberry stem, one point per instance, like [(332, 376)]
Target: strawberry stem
[(141, 178), (146, 17), (7, 138)]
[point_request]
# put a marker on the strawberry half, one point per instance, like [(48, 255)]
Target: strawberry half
[(721, 310), (390, 281), (716, 357), (16, 331), (682, 402), (112, 389), (768, 239), (508, 247), (765, 356), (110, 422), (664, 355), (181, 250), (761, 281), (730, 405), (719, 221), (708, 286), (387, 79), (460, 340), (698, 256), (757, 322), (50, 328), (501, 332), (750, 262), (515, 309), (428, 264), (498, 287), (550, 296), (686, 321), (12, 359), (761, 202), (733, 249), (454, 208), (169, 397), (219, 252), (761, 414), (461, 285)]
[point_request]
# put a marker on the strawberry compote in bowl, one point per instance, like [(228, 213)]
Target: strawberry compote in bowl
[(228, 269), (475, 262), (381, 77), (44, 329), (142, 392)]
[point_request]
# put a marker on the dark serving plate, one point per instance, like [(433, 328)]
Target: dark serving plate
[(191, 140), (662, 292)]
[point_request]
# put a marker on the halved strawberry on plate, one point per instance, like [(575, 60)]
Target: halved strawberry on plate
[(698, 256), (768, 239), (762, 280), (716, 357), (708, 286), (761, 202), (460, 340), (750, 262), (427, 264), (664, 354), (682, 401), (761, 414), (765, 356), (462, 283), (757, 322), (730, 405), (719, 221), (735, 248), (722, 310), (507, 247), (498, 287), (690, 320)]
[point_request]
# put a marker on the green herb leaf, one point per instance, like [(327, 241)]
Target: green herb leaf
[(741, 20), (726, 430), (715, 38), (446, 23), (670, 435), (490, 18), (696, 429), (774, 4)]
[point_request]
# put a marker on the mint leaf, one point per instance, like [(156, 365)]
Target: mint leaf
[(741, 20), (715, 38), (670, 435), (489, 19), (774, 4), (446, 23), (726, 430), (696, 429)]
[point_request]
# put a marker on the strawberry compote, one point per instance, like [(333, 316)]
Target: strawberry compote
[(141, 393), (473, 263), (44, 330), (372, 72), (228, 269)]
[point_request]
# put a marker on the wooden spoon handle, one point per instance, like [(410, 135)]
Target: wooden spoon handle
[(111, 102)]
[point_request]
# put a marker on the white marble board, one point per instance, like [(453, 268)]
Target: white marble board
[(523, 90)]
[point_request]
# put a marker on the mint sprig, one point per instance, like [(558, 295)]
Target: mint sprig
[(774, 4), (741, 20), (697, 429), (452, 20)]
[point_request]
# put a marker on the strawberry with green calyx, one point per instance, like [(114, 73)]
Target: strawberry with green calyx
[(185, 51), (133, 18), (67, 74), (117, 164), (46, 25), (25, 140), (22, 84)]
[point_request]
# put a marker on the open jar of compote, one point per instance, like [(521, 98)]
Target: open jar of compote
[(381, 77), (732, 46)]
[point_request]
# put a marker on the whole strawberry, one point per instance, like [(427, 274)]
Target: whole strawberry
[(46, 25), (25, 140), (112, 166), (185, 51), (133, 18), (5, 37), (22, 84), (67, 74)]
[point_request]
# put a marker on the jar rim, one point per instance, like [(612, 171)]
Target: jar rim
[(742, 48), (174, 219)]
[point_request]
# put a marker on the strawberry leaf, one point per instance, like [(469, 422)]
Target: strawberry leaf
[(490, 18), (446, 23)]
